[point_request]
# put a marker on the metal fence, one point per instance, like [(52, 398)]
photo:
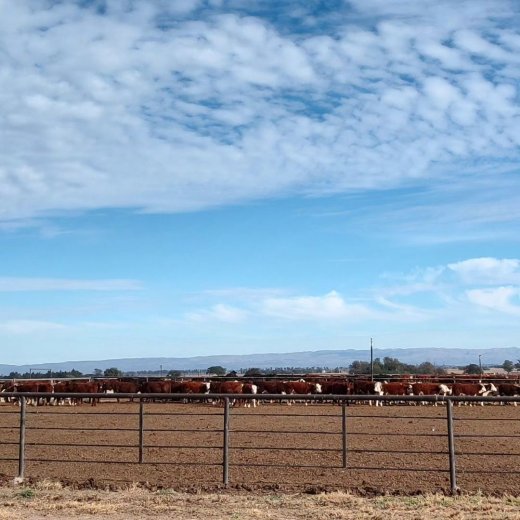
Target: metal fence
[(452, 438)]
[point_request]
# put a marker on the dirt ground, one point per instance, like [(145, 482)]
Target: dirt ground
[(273, 448)]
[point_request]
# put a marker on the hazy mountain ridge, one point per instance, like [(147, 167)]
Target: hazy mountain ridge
[(319, 358)]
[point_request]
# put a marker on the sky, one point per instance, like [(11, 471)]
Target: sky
[(198, 177)]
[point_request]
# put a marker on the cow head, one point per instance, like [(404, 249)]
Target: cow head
[(317, 388), (378, 388), (493, 390), (445, 389)]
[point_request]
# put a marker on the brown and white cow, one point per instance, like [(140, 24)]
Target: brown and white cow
[(120, 387), (190, 387), (431, 389), (301, 387), (42, 387), (252, 389), (473, 389), (226, 387), (395, 388), (367, 387)]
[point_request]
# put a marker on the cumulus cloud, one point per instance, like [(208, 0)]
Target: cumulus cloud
[(487, 282), (330, 306), (179, 106), (422, 295)]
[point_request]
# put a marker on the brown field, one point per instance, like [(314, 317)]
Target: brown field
[(392, 449)]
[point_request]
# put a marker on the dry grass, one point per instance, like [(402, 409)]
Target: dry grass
[(51, 500)]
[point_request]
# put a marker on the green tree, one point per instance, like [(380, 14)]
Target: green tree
[(426, 368), (216, 370), (392, 365), (359, 367), (253, 372), (472, 368), (508, 365), (174, 373), (112, 372)]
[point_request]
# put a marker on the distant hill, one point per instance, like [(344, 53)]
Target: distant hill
[(319, 358)]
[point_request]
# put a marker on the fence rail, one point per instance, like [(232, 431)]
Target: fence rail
[(231, 428)]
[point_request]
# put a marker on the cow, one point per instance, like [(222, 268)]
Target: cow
[(43, 387), (193, 387), (84, 387), (337, 387), (156, 387), (120, 387), (301, 387), (190, 387), (366, 387), (250, 388), (431, 389), (510, 390), (271, 387), (226, 387), (3, 388), (62, 387), (395, 388), (472, 389)]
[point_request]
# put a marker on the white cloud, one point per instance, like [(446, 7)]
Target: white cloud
[(61, 284), (168, 107), (28, 327), (422, 295), (489, 271), (330, 306), (498, 299), (456, 289), (219, 312)]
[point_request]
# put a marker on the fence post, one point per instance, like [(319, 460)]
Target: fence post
[(451, 448), (141, 430), (225, 461), (21, 445), (344, 432)]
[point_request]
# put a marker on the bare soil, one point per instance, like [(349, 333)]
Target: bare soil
[(273, 448)]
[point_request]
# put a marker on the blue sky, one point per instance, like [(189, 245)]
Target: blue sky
[(197, 177)]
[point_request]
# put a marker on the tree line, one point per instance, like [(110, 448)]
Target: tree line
[(393, 366), (387, 365)]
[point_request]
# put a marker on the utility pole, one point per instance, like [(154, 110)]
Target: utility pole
[(480, 363), (371, 360)]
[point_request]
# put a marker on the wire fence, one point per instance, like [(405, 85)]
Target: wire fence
[(437, 440)]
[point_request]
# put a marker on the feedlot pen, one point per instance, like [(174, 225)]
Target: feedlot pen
[(399, 447)]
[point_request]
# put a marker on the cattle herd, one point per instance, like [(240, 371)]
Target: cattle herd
[(254, 388)]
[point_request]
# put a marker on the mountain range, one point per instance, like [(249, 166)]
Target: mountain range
[(320, 358)]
